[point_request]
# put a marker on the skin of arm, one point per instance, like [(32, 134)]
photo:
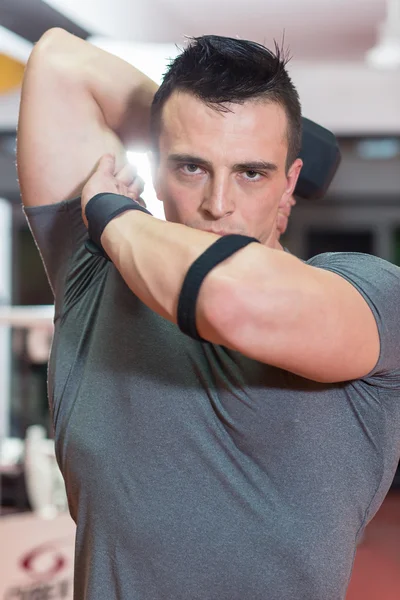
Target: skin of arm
[(265, 303), (78, 102), (262, 302)]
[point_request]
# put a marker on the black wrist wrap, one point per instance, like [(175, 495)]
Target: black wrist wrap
[(99, 211), (222, 249)]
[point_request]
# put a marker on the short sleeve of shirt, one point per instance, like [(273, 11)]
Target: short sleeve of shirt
[(379, 283), (60, 236)]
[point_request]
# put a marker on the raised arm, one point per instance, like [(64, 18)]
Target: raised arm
[(78, 102), (262, 302)]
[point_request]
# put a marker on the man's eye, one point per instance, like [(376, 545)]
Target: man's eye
[(252, 175), (190, 168)]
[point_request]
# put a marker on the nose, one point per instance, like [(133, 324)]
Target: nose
[(218, 201)]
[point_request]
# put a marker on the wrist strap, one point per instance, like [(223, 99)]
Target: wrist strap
[(99, 211), (220, 250)]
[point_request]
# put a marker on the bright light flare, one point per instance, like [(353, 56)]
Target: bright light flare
[(142, 163)]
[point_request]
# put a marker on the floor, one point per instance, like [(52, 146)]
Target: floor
[(376, 574)]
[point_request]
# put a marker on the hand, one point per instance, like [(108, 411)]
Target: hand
[(283, 217), (105, 179)]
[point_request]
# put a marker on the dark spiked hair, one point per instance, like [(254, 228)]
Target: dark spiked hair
[(220, 70)]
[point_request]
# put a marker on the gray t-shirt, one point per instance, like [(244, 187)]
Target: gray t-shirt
[(193, 472)]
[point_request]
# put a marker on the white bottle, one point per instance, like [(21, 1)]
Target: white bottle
[(39, 472)]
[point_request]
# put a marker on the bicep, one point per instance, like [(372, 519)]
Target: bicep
[(306, 320), (61, 134), (333, 335)]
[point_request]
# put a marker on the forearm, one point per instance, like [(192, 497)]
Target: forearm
[(264, 303), (153, 257), (122, 93)]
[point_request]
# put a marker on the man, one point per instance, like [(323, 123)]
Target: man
[(244, 463)]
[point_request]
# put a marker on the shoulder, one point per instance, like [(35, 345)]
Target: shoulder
[(60, 235), (378, 281), (327, 259), (365, 268)]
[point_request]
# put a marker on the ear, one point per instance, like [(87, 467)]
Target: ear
[(291, 181)]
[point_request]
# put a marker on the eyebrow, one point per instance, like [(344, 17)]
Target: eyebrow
[(259, 165), (189, 158)]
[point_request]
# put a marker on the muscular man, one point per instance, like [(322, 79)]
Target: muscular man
[(244, 464)]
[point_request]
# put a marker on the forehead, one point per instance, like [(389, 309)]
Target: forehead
[(255, 129)]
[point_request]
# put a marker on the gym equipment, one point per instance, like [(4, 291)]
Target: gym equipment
[(321, 159)]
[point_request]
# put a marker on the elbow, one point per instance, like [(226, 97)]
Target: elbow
[(55, 50), (51, 43), (58, 59), (53, 36)]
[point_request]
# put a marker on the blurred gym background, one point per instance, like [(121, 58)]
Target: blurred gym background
[(346, 65)]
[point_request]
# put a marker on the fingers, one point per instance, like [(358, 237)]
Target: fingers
[(283, 215), (107, 164), (125, 180), (126, 175), (281, 223), (137, 186), (140, 201)]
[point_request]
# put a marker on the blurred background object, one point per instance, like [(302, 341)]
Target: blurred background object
[(11, 73), (346, 66), (43, 478), (386, 53)]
